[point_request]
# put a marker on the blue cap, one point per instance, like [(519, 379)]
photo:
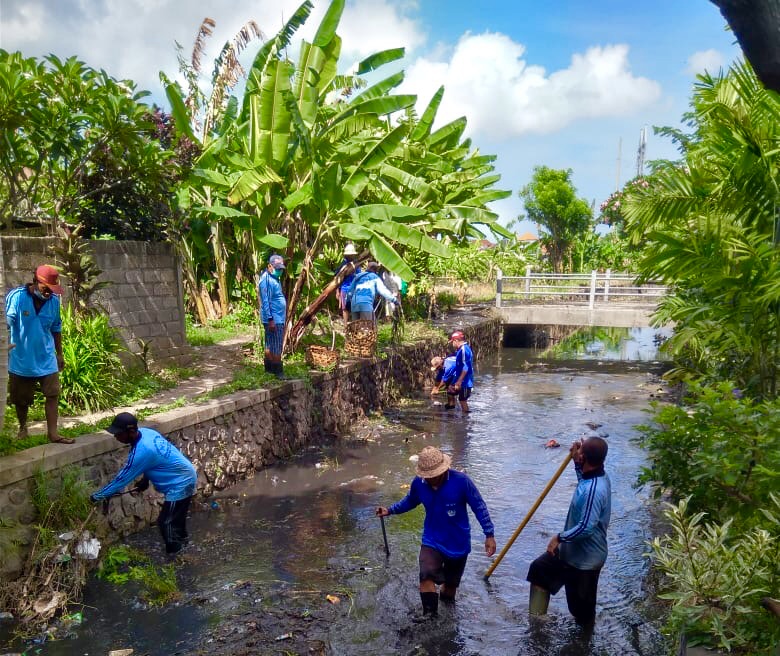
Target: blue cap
[(276, 261)]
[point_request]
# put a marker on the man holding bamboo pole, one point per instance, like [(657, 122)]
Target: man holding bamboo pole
[(574, 557)]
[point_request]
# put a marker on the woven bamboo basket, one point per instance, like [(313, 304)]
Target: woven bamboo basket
[(360, 339), (321, 356)]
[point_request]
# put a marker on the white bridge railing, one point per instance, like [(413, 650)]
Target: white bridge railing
[(592, 289)]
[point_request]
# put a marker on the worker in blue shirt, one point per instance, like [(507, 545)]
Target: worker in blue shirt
[(32, 313), (273, 314), (574, 557), (350, 254), (443, 370), (162, 464), (363, 291), (464, 370), (446, 540)]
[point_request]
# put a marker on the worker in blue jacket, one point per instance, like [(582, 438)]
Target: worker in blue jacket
[(363, 291), (446, 539), (273, 314), (575, 556), (464, 370), (162, 464), (443, 370)]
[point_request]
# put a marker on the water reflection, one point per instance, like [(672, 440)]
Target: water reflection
[(624, 344)]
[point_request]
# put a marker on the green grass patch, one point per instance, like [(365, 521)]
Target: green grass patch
[(157, 584)]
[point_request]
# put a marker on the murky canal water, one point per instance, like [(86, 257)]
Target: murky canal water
[(262, 564)]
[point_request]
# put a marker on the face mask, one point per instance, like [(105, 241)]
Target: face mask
[(37, 294), (277, 273)]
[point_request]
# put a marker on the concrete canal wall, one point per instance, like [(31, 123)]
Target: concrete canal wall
[(144, 297), (228, 439)]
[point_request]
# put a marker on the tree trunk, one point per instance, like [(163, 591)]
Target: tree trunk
[(756, 24), (295, 332), (220, 264)]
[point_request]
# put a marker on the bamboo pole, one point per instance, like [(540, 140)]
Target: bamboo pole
[(527, 518)]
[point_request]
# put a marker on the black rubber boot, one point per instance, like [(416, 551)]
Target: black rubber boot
[(430, 603), (268, 366), (278, 370)]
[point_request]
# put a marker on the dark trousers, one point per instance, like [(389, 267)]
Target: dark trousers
[(173, 524), (551, 573)]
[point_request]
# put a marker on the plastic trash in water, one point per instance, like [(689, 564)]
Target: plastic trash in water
[(67, 537), (74, 619), (284, 636)]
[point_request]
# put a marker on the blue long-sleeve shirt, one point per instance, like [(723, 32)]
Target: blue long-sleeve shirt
[(364, 289), (162, 463), (32, 334), (464, 359), (447, 372), (446, 527), (346, 283), (273, 304), (584, 539)]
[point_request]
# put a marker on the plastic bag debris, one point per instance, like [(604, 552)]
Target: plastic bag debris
[(284, 636), (88, 548)]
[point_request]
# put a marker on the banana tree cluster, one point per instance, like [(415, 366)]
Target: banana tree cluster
[(308, 158)]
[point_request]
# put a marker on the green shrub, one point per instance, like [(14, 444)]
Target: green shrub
[(715, 580), (718, 448), (90, 347)]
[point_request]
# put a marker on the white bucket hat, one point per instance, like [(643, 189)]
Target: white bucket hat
[(349, 249)]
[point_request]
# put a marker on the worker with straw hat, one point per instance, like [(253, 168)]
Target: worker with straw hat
[(446, 538)]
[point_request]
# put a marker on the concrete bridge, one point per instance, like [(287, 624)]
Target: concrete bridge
[(576, 299)]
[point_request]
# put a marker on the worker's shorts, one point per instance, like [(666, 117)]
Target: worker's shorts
[(552, 573), (463, 393), (436, 567), (274, 341), (21, 389)]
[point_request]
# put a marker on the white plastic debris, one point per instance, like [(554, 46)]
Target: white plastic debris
[(66, 537), (88, 549), (414, 458)]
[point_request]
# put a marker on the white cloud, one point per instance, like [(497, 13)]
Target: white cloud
[(488, 80), (135, 39), (705, 60)]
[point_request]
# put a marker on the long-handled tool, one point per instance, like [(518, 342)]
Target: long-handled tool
[(527, 518), (384, 535)]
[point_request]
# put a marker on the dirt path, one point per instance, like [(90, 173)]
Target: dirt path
[(215, 365)]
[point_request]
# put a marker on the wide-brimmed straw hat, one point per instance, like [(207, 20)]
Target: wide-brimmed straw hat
[(432, 462), (436, 363)]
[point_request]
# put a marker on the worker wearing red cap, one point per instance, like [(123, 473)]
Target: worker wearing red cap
[(32, 312), (464, 370)]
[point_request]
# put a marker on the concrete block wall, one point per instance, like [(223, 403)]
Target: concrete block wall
[(228, 439), (145, 299)]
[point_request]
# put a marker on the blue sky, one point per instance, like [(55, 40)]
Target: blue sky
[(556, 83)]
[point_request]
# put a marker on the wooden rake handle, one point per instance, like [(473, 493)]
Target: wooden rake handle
[(528, 516)]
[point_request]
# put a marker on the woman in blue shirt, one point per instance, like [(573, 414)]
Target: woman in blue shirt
[(446, 539)]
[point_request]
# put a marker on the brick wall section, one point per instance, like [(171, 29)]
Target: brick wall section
[(144, 299), (227, 439)]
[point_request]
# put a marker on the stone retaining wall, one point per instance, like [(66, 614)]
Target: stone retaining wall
[(228, 439), (145, 300)]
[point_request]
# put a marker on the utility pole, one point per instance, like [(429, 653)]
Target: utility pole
[(640, 153)]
